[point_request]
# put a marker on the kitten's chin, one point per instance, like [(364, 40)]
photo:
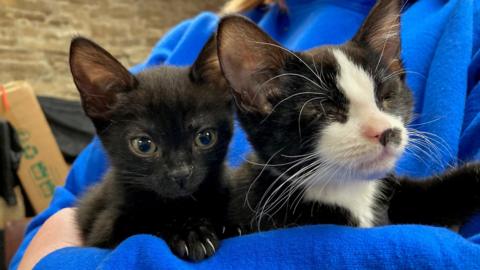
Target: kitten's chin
[(174, 192), (179, 194), (377, 167), (370, 167)]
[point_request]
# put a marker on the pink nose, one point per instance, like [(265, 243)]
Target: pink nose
[(388, 136), (372, 133), (374, 129)]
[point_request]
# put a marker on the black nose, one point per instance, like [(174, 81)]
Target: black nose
[(180, 175), (390, 136)]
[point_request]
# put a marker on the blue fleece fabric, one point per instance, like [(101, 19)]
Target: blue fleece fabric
[(440, 41)]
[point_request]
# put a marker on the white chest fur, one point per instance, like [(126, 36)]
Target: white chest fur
[(358, 197)]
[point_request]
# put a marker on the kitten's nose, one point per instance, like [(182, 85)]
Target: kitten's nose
[(180, 175), (374, 129), (380, 131), (391, 135)]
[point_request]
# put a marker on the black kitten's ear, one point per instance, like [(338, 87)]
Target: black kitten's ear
[(99, 77), (207, 68), (249, 58), (381, 30)]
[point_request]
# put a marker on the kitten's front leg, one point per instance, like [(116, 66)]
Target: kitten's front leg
[(194, 240), (446, 199)]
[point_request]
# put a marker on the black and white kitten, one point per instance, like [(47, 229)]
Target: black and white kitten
[(327, 127), (166, 133)]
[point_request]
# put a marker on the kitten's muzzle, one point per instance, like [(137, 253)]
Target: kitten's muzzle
[(377, 133), (390, 136), (181, 175)]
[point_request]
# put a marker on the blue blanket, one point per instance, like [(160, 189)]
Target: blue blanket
[(440, 42)]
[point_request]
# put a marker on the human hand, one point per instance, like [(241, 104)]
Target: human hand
[(59, 231)]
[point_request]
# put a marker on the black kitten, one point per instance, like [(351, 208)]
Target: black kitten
[(327, 126), (166, 133)]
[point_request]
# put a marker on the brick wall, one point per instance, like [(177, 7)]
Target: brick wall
[(35, 35)]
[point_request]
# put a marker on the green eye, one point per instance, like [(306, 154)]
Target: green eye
[(206, 139), (143, 146)]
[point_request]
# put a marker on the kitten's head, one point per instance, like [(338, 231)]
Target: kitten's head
[(166, 129), (340, 111)]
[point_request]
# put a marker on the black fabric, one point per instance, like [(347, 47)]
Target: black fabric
[(10, 153), (70, 126)]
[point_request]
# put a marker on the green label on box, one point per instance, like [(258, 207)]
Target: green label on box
[(23, 135), (47, 188), (30, 151), (39, 170)]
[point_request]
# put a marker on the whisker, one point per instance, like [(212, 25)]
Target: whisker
[(391, 75), (260, 212), (287, 98), (426, 123), (291, 53), (300, 114), (247, 202), (291, 179)]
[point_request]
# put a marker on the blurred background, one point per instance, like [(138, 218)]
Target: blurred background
[(35, 35)]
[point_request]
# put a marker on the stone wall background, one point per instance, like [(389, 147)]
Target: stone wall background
[(35, 35)]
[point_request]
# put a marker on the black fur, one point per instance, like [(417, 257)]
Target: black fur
[(177, 193), (446, 199), (283, 120)]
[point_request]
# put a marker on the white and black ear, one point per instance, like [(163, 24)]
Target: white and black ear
[(99, 77), (381, 30), (249, 58)]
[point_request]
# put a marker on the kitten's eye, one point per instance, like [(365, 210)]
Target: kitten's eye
[(386, 101), (143, 146), (206, 139), (335, 111)]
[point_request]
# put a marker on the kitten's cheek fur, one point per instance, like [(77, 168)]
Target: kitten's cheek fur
[(344, 145)]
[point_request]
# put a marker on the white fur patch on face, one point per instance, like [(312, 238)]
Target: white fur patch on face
[(356, 196), (358, 156)]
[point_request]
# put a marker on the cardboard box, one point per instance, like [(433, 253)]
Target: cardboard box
[(42, 166)]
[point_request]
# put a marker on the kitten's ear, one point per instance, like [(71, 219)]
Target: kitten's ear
[(206, 67), (381, 30), (99, 77), (249, 58)]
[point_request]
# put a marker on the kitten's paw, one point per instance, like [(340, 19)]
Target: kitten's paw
[(195, 244), (231, 230)]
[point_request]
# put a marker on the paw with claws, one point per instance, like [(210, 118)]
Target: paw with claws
[(194, 243), (230, 230)]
